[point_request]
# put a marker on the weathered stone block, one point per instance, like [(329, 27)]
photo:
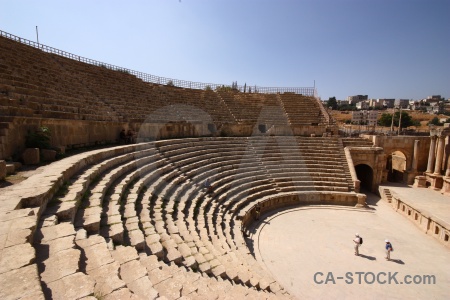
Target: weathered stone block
[(10, 169), (60, 264), (20, 283), (60, 149), (74, 286), (31, 156), (16, 257), (420, 182), (2, 169), (48, 155)]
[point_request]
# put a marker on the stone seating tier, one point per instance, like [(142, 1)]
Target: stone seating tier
[(52, 86), (165, 213)]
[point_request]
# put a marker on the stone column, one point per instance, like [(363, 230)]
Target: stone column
[(439, 155), (447, 172), (431, 154), (416, 156)]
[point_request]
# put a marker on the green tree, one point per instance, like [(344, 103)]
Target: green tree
[(435, 121), (39, 139), (332, 102), (347, 107), (386, 120)]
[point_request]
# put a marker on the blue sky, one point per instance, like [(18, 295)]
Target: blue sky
[(382, 48)]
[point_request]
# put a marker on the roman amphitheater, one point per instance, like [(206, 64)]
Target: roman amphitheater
[(135, 221)]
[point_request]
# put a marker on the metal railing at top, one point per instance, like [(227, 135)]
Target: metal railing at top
[(307, 91)]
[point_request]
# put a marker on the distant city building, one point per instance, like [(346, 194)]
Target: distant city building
[(403, 103), (375, 103), (362, 105), (342, 102), (357, 98), (433, 99), (388, 103), (436, 108), (447, 107), (415, 105), (365, 117)]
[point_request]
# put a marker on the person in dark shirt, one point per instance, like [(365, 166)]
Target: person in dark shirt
[(130, 136), (122, 137), (257, 211), (208, 186)]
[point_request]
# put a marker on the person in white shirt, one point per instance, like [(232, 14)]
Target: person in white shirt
[(357, 241)]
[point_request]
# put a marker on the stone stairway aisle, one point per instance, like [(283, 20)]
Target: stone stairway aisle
[(283, 108), (387, 195), (356, 142), (351, 186)]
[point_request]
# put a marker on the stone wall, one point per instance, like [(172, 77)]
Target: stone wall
[(398, 163), (77, 133), (427, 223), (374, 157), (405, 144), (69, 133), (271, 203)]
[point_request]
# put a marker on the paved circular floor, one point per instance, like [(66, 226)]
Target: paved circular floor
[(296, 244)]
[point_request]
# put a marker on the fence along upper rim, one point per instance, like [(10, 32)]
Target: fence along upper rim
[(307, 91)]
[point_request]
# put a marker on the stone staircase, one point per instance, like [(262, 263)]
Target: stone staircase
[(356, 142)]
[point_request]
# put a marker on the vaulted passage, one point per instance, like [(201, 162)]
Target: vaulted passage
[(396, 166), (365, 175)]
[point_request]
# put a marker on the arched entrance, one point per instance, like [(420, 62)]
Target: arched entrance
[(365, 175), (396, 166)]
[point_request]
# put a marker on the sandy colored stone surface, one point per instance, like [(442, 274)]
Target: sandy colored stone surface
[(15, 214), (107, 279), (17, 237), (123, 254), (19, 223), (320, 240), (56, 245), (143, 288), (61, 264), (87, 242), (157, 275), (97, 255), (425, 200), (22, 282), (15, 257), (54, 232), (74, 286), (123, 294), (131, 271), (170, 288), (149, 262)]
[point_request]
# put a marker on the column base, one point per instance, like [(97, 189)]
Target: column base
[(446, 186), (436, 181), (410, 176), (420, 182), (361, 201)]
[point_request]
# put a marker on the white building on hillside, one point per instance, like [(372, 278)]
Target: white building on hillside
[(356, 99), (363, 105), (365, 117)]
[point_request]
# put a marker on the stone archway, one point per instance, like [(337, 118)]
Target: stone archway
[(396, 166), (365, 175)]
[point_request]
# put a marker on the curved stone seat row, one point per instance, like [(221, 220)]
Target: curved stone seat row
[(99, 219)]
